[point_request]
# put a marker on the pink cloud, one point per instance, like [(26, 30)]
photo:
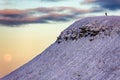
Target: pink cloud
[(45, 15)]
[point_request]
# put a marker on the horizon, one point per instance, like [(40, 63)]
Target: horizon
[(28, 27)]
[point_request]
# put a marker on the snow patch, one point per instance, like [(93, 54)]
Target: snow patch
[(79, 58)]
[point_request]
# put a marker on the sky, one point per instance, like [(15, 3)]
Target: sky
[(28, 27)]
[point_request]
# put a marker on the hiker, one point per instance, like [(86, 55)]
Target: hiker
[(105, 14)]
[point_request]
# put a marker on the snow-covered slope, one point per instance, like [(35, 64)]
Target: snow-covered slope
[(87, 50)]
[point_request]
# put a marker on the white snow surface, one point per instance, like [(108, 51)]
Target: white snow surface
[(79, 59)]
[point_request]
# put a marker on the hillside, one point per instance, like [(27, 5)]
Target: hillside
[(89, 49)]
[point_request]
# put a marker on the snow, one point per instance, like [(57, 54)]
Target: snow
[(80, 59)]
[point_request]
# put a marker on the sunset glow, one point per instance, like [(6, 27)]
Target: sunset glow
[(7, 57)]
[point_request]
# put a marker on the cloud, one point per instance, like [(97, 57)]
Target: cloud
[(88, 1), (106, 4), (12, 17), (52, 0), (109, 4), (12, 13), (57, 17)]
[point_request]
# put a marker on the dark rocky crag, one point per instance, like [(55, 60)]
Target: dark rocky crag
[(90, 29), (89, 49)]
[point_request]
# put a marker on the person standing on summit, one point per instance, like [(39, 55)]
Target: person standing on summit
[(105, 14)]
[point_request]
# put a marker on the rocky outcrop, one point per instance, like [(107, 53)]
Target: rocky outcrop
[(92, 29)]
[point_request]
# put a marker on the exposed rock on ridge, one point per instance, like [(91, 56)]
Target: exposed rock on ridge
[(94, 27)]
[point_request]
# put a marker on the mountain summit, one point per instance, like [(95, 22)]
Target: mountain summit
[(89, 49)]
